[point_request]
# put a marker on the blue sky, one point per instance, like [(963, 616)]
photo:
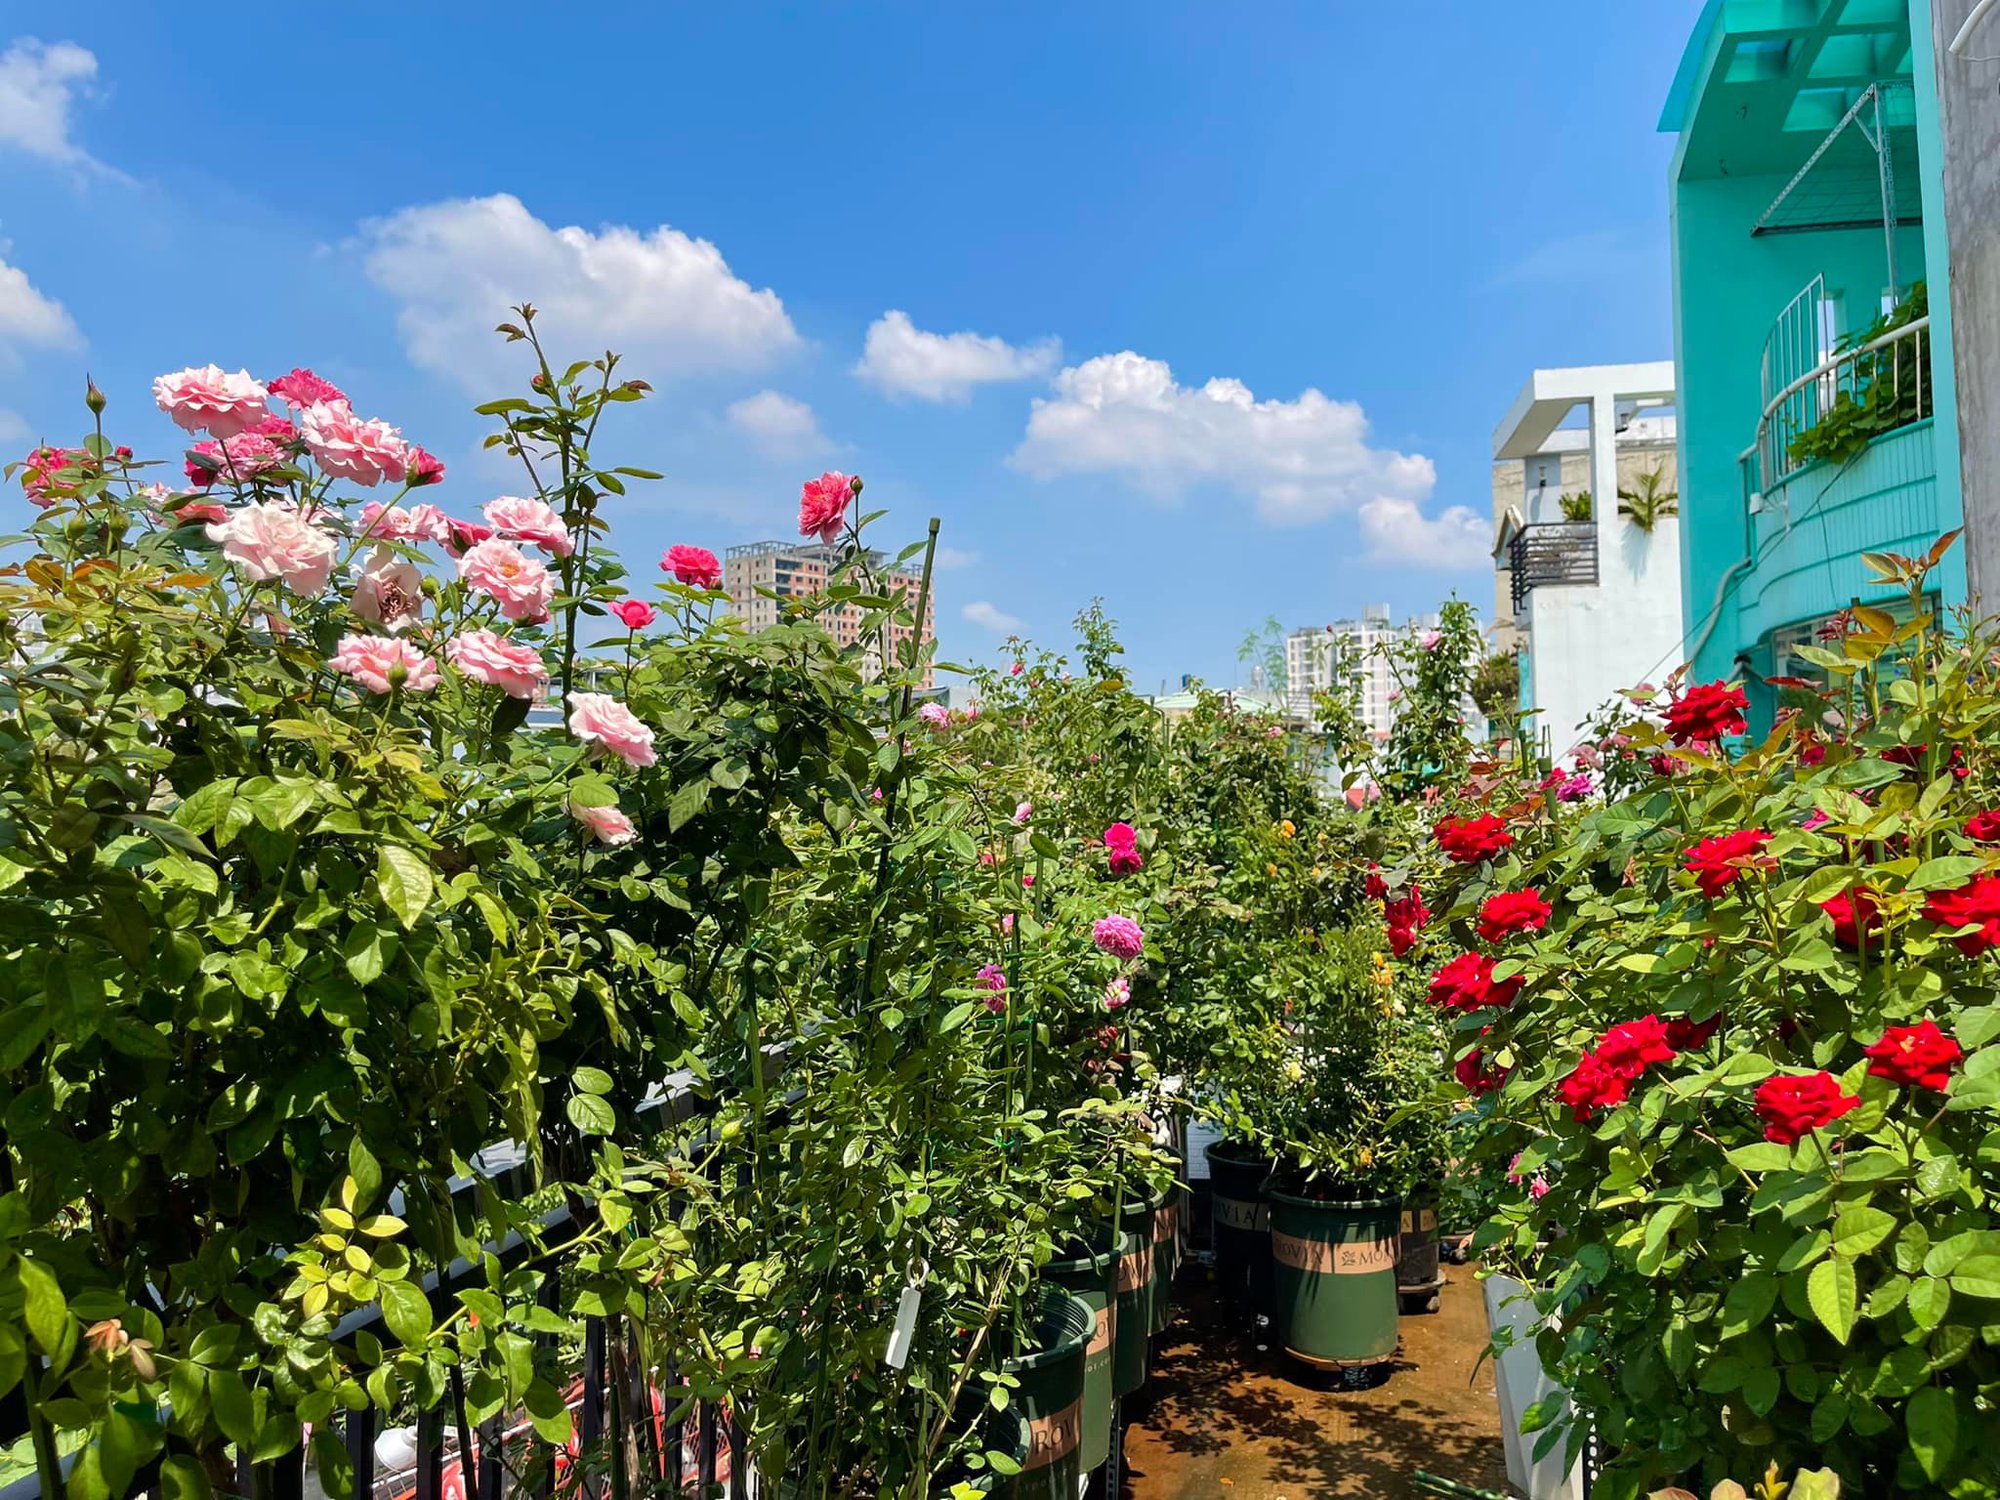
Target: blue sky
[(1125, 241)]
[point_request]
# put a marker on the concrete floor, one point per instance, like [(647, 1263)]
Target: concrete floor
[(1227, 1421)]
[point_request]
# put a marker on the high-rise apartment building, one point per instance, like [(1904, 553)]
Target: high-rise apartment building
[(1309, 656), (759, 575)]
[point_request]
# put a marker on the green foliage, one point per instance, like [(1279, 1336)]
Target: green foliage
[(1889, 388), (1577, 505), (1649, 501)]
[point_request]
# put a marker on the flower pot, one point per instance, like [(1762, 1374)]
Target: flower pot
[(1092, 1278), (1133, 1320), (1166, 1207), (1418, 1277), (1050, 1396), (1334, 1275), (1241, 1230)]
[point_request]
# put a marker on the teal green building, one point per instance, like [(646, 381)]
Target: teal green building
[(1816, 399)]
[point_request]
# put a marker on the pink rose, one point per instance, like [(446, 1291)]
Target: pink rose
[(823, 505), (379, 664), (601, 720), (209, 400), (693, 566), (238, 458), (462, 536), (1431, 640), (1121, 937), (1007, 923), (1118, 993), (421, 468), (1015, 670), (302, 389), (270, 541), (636, 613), (515, 669), (529, 521), (350, 447), (390, 593), (1024, 812), (935, 714), (420, 523), (519, 584), (605, 824), (1538, 1187)]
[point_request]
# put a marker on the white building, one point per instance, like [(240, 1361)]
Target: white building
[(1309, 657), (1595, 604)]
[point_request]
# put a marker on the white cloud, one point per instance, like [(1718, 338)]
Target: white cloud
[(905, 360), (668, 301), (1298, 460), (990, 617), (954, 557), (778, 424), (39, 82), (27, 317), (1398, 532)]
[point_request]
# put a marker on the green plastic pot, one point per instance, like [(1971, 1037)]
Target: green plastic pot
[(1133, 1321), (1334, 1275), (1092, 1278), (1240, 1227), (1049, 1396)]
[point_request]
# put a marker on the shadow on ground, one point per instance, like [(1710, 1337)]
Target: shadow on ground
[(1227, 1420)]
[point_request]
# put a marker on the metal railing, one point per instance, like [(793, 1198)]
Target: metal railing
[(1888, 375), (1551, 553), (683, 1447)]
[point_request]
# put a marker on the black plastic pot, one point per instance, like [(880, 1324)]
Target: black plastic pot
[(1419, 1279), (1240, 1229)]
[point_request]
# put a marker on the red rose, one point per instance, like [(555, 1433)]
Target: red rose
[(1476, 1075), (1684, 1035), (1854, 913), (1510, 912), (1467, 841), (1718, 861), (1707, 711), (1918, 1056), (1466, 983), (1629, 1046), (1795, 1104), (1592, 1087), (1975, 904), (1662, 763), (1406, 917), (1984, 828), (1376, 888), (1910, 757), (1812, 752)]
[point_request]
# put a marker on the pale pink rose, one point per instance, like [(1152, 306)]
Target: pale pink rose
[(529, 521), (1431, 640), (605, 824), (1118, 993), (519, 584), (515, 669), (378, 663), (350, 447), (601, 720), (208, 399), (390, 593), (1007, 923), (270, 541), (1121, 937), (935, 714), (302, 389), (823, 505), (420, 523), (1024, 812)]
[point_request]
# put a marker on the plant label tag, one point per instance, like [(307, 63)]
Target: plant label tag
[(905, 1331)]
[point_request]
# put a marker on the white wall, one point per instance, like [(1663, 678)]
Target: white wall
[(1589, 644)]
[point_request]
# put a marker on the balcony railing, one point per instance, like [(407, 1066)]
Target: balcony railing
[(1552, 552), (1868, 390)]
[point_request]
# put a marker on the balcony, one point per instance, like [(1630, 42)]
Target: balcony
[(1551, 553)]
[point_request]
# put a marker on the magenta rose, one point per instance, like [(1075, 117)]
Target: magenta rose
[(694, 566), (1121, 937)]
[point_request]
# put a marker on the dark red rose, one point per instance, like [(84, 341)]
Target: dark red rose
[(1662, 763), (1975, 904), (1467, 841), (1684, 1035), (1707, 711), (1918, 1056), (1510, 912), (1984, 828), (1592, 1087), (1628, 1047), (1812, 752), (1477, 1076), (1854, 914), (1406, 916), (1716, 862), (1376, 888), (1466, 983), (1795, 1104)]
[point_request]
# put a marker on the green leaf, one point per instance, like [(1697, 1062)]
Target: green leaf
[(1977, 1276), (688, 800), (405, 883), (46, 1312), (1748, 1304), (1946, 870), (1932, 1421), (1928, 1300), (407, 1312), (1834, 1298), (1859, 1230), (229, 1401), (592, 1080), (590, 1114), (1763, 1156)]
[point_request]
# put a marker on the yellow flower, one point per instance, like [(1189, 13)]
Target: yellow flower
[(1270, 869), (1287, 828)]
